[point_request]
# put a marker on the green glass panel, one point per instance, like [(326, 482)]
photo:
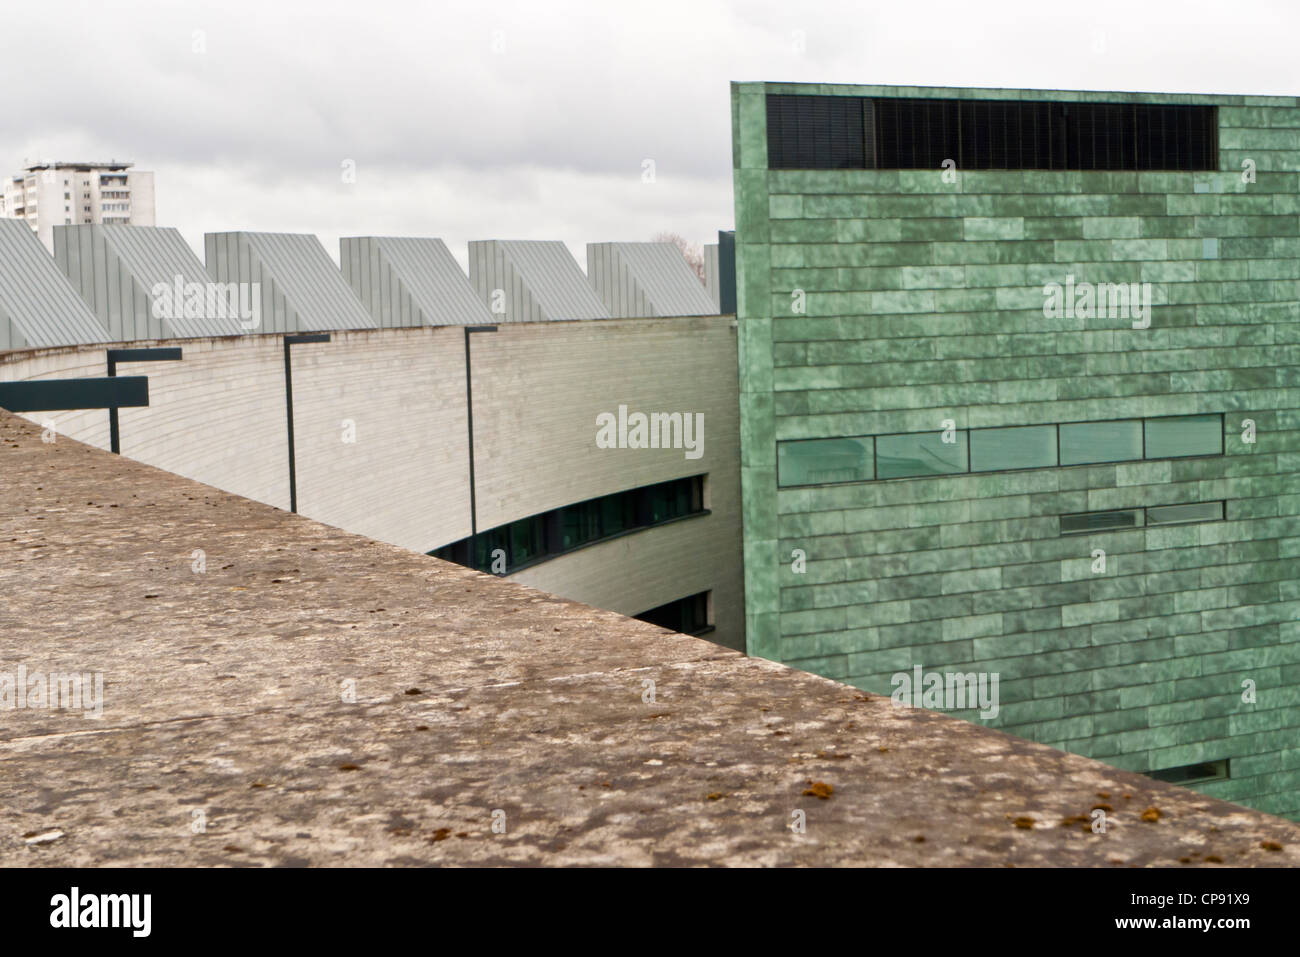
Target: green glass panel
[(1174, 514), (580, 523), (921, 453), (613, 518), (824, 461), (484, 545), (525, 540), (681, 501), (1169, 438), (1085, 442), (659, 497), (1029, 447)]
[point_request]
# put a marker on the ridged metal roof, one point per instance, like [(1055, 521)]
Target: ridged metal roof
[(541, 280), (38, 306), (146, 256), (410, 281), (309, 279), (306, 283), (157, 254), (646, 279)]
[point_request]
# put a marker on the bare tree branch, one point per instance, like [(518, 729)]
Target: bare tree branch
[(693, 253)]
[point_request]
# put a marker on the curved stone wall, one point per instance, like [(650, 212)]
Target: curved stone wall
[(382, 447)]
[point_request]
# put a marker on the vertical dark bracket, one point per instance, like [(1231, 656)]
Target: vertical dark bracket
[(469, 417), (168, 354), (288, 404), (114, 431)]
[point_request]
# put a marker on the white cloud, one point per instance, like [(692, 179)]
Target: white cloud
[(545, 138)]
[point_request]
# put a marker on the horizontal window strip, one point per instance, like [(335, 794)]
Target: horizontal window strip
[(1101, 521), (864, 458), (852, 132), (1220, 770), (689, 615), (922, 453), (1186, 514), (509, 548), (1144, 516), (825, 461), (1021, 447)]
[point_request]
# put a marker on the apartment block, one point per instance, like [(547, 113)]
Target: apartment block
[(52, 194)]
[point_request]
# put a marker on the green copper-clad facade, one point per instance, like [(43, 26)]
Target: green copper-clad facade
[(1032, 410)]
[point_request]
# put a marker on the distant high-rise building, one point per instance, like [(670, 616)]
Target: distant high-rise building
[(63, 194)]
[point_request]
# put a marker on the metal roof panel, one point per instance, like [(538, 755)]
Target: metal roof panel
[(35, 296)]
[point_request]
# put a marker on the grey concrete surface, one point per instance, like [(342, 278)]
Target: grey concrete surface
[(477, 700)]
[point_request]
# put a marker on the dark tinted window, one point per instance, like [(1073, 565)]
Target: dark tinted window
[(1099, 135), (1189, 773), (1008, 134), (1177, 137), (916, 134), (526, 541), (573, 526), (1179, 514), (849, 132), (815, 132), (579, 523), (1100, 521), (488, 542), (688, 615)]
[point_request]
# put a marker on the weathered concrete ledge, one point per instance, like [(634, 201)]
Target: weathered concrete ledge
[(223, 707)]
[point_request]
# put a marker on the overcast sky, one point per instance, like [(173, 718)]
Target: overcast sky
[(534, 119)]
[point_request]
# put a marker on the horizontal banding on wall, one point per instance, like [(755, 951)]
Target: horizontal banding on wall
[(952, 451)]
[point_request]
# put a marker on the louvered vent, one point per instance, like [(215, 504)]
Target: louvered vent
[(849, 132), (816, 132)]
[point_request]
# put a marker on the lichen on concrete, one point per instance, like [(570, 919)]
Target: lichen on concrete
[(312, 697)]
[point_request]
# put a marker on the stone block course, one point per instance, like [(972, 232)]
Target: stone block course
[(926, 302)]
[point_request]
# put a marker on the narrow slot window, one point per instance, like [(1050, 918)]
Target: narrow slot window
[(1195, 773), (1101, 521), (1182, 514)]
